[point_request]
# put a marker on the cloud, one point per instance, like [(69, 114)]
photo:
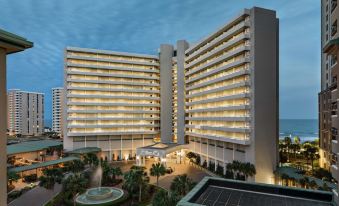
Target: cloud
[(137, 26)]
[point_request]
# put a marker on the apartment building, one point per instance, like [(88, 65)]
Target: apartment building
[(329, 96), (57, 109), (325, 104), (25, 113), (217, 97)]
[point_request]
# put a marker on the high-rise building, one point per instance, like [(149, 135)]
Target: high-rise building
[(112, 100), (57, 109), (25, 113), (217, 97), (329, 95)]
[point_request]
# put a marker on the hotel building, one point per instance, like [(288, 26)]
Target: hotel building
[(57, 109), (329, 96), (217, 97), (25, 113)]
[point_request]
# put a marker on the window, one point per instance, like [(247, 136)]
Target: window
[(334, 28)]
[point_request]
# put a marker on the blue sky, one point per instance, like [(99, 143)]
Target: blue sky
[(141, 26)]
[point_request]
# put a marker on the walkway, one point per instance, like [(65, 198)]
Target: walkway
[(165, 181), (37, 196)]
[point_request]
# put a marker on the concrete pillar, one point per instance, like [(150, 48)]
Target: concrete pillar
[(166, 86), (182, 45), (3, 127)]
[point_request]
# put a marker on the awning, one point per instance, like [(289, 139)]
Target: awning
[(42, 164)]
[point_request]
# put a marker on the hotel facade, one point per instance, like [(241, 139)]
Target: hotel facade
[(217, 98), (329, 95), (25, 113)]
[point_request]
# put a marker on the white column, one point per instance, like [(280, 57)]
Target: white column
[(3, 128)]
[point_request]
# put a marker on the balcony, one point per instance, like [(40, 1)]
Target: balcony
[(335, 120), (335, 95), (334, 171), (334, 4), (335, 146)]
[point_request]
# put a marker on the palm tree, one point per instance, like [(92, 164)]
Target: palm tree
[(182, 184), (72, 185), (295, 148), (313, 155), (296, 140), (75, 166), (115, 171), (12, 177), (50, 177), (158, 170), (135, 179), (287, 141), (91, 159), (160, 198), (249, 170), (286, 178)]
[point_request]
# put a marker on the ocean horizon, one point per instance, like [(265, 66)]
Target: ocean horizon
[(306, 129)]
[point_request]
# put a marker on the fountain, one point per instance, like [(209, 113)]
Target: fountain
[(99, 195)]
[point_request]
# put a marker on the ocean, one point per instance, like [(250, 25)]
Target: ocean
[(306, 129)]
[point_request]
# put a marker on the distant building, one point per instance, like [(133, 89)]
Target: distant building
[(57, 109), (25, 113)]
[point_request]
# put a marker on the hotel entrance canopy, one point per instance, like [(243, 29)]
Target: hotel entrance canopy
[(159, 149)]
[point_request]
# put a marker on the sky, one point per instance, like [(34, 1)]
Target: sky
[(141, 26)]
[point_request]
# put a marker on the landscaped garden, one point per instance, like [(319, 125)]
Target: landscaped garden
[(299, 165), (78, 176)]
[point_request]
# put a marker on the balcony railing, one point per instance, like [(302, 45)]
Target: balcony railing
[(334, 4)]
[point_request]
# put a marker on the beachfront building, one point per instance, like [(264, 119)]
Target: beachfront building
[(217, 98), (329, 96), (9, 44), (57, 109), (25, 113)]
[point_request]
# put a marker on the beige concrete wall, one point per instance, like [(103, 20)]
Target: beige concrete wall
[(3, 127)]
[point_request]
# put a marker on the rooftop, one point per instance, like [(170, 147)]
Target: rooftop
[(42, 164), (219, 191), (31, 146), (13, 43)]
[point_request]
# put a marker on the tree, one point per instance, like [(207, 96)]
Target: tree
[(249, 170), (91, 159), (115, 171), (163, 198), (182, 184), (311, 153), (50, 177), (75, 166), (72, 185), (287, 141), (284, 177), (296, 140), (158, 170), (135, 179), (12, 177), (313, 184)]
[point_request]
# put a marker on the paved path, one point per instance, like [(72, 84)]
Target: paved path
[(37, 196), (165, 181)]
